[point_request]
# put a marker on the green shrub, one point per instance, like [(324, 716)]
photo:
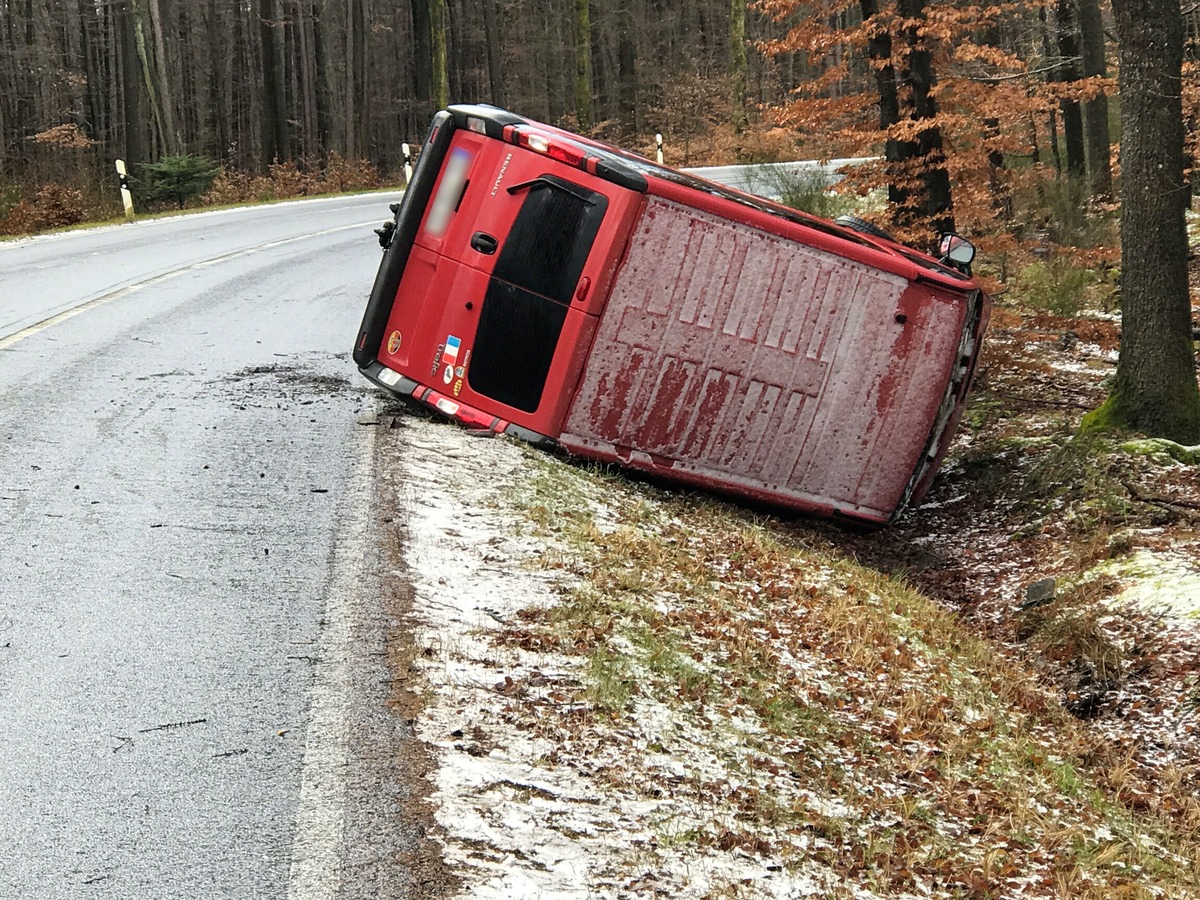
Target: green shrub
[(805, 189), (1055, 286)]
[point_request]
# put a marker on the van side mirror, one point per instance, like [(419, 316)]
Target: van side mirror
[(957, 251)]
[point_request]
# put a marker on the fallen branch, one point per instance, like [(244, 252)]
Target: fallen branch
[(1159, 499)]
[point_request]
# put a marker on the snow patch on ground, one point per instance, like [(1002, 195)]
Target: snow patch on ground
[(525, 815), (1163, 583)]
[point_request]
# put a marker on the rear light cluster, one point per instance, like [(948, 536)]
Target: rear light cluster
[(548, 145)]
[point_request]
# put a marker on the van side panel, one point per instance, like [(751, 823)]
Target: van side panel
[(738, 359)]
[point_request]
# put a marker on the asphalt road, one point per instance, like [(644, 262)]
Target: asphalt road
[(192, 679)]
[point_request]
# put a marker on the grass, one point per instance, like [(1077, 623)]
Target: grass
[(824, 712)]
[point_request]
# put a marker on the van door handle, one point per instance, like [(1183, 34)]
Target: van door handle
[(484, 242)]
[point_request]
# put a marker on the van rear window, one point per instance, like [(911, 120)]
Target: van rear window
[(531, 287), (551, 238)]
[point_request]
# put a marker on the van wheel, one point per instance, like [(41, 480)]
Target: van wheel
[(854, 223)]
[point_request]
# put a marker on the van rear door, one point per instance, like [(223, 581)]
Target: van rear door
[(506, 276)]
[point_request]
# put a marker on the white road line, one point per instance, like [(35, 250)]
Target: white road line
[(317, 846), (63, 316)]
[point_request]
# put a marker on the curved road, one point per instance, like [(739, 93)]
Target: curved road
[(191, 637)]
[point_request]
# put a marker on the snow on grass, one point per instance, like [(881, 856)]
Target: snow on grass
[(633, 694)]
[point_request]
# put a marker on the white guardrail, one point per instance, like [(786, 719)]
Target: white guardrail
[(769, 179)]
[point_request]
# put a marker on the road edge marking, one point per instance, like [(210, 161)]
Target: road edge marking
[(317, 860)]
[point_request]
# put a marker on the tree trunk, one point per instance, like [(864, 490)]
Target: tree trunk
[(355, 89), (897, 154), (1067, 37), (422, 49), (627, 76), (440, 85), (495, 52), (274, 126), (138, 20), (737, 62), (320, 60), (937, 205), (583, 64), (1155, 391), (158, 10), (132, 148), (1099, 157)]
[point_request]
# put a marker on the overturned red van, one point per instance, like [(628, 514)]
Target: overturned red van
[(543, 285)]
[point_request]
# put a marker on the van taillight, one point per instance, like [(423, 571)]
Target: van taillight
[(555, 149)]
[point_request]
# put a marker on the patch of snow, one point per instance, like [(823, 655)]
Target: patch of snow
[(1163, 583)]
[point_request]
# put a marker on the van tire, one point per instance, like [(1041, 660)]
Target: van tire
[(854, 223)]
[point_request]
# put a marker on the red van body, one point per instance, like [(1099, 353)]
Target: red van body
[(541, 284)]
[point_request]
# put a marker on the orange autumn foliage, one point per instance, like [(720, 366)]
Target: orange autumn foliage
[(990, 89)]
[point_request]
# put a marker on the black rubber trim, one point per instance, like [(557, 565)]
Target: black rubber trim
[(531, 437), (862, 226), (402, 388), (494, 119), (408, 221), (609, 166)]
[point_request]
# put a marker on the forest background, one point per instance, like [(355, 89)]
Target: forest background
[(998, 120), (323, 93)]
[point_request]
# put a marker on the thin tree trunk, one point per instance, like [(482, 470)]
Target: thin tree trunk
[(1067, 37), (627, 76), (897, 154), (495, 54), (217, 53), (583, 64), (128, 73), (158, 9), (440, 85), (320, 60), (139, 23), (274, 125), (1099, 156), (306, 83), (937, 205), (422, 17), (737, 62)]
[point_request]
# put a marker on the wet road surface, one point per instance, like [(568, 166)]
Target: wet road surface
[(191, 630)]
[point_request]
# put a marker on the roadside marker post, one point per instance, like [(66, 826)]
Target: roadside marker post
[(658, 146), (126, 194), (407, 164)]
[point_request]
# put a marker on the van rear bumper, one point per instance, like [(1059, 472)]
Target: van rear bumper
[(407, 389)]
